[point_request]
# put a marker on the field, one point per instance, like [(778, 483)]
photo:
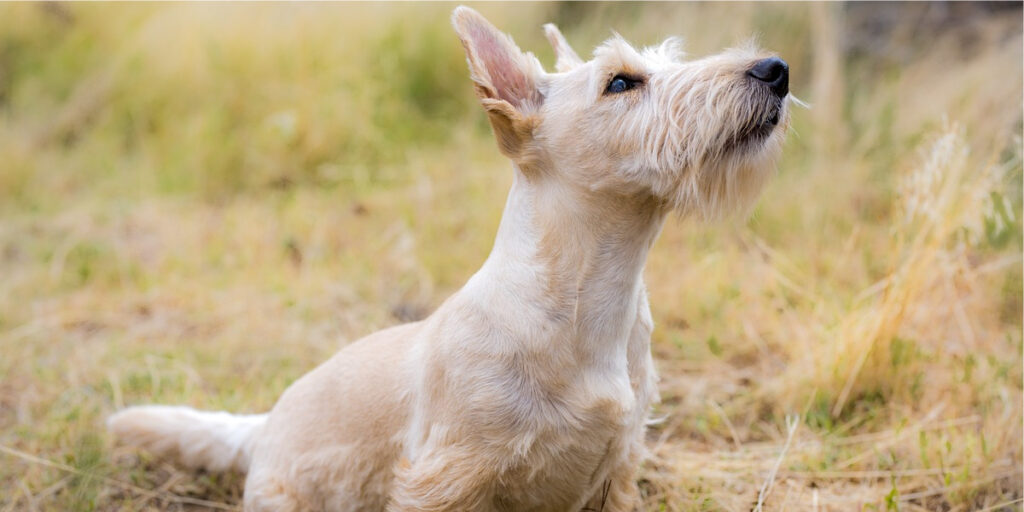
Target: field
[(199, 203)]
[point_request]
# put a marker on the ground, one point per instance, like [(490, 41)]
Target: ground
[(199, 203)]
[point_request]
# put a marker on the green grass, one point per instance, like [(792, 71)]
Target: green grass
[(199, 203)]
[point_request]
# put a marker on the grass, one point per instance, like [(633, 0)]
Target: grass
[(199, 203)]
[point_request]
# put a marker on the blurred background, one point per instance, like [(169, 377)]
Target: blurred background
[(201, 202)]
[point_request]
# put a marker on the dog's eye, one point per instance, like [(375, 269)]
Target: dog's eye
[(621, 84)]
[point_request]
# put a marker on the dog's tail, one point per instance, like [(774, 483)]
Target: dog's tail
[(215, 441)]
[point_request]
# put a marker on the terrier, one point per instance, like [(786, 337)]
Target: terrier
[(530, 388)]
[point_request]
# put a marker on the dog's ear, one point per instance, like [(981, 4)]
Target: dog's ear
[(567, 58), (505, 79)]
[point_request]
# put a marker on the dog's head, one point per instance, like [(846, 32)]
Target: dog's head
[(700, 136)]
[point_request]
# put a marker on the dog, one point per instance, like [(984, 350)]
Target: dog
[(530, 388)]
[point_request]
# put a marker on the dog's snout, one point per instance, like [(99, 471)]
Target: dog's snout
[(774, 72)]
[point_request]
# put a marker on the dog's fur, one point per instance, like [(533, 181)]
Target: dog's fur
[(529, 388)]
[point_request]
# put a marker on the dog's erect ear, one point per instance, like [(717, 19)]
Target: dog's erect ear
[(567, 58), (506, 79)]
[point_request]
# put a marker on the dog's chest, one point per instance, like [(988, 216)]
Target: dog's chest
[(568, 451)]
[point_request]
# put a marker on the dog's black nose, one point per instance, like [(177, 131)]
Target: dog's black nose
[(774, 72)]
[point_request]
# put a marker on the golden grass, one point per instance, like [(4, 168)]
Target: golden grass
[(198, 203)]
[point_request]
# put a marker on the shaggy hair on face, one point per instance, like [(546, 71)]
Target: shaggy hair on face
[(696, 144)]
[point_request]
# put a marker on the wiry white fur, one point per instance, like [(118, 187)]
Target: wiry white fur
[(215, 441), (528, 389), (678, 135)]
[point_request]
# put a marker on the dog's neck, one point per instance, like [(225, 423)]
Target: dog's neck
[(571, 261)]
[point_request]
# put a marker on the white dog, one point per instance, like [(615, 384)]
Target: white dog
[(529, 388)]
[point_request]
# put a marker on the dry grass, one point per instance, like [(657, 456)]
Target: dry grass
[(198, 203)]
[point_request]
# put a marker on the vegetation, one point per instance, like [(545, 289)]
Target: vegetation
[(199, 203)]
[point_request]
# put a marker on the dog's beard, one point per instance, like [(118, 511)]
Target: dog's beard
[(752, 135), (732, 175), (711, 158)]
